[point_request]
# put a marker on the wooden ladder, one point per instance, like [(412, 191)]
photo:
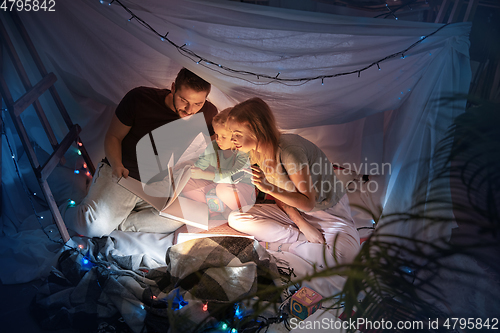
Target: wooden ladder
[(454, 15), (16, 108)]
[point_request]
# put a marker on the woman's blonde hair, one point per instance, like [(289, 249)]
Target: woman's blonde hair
[(258, 117)]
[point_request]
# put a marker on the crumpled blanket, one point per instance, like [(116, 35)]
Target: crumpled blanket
[(100, 290)]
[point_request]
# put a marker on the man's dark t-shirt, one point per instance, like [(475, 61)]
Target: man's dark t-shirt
[(144, 109)]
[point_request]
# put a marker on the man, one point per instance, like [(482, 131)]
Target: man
[(109, 206)]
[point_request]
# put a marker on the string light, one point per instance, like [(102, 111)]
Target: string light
[(77, 171), (21, 180), (286, 81)]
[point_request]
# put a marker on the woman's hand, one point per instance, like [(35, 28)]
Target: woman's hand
[(259, 179), (312, 234)]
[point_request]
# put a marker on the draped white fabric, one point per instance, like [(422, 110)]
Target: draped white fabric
[(389, 116)]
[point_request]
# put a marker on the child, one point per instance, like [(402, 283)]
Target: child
[(220, 168)]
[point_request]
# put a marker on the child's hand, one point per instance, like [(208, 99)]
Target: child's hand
[(197, 173)]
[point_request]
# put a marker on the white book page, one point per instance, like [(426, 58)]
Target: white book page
[(188, 211), (133, 185)]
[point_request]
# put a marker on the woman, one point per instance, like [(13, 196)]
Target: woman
[(312, 208)]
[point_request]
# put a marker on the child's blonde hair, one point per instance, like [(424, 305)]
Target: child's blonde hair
[(220, 118)]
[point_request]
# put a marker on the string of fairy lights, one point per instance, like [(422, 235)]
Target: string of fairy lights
[(244, 74)]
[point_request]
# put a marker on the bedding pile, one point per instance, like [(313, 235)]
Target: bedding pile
[(98, 289)]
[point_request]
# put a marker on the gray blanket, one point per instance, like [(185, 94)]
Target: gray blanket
[(96, 290)]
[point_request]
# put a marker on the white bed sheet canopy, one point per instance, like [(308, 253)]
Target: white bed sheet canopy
[(391, 115)]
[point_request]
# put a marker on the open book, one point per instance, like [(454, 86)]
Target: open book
[(163, 177), (164, 196)]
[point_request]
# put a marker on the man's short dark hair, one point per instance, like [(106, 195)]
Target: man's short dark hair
[(189, 79)]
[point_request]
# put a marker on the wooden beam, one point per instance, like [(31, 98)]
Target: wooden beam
[(470, 11), (455, 11), (21, 131), (31, 96), (54, 210), (41, 67), (442, 11), (26, 83), (45, 171)]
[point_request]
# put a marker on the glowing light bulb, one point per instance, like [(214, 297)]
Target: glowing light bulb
[(85, 261), (79, 152), (77, 171), (85, 165), (205, 307), (224, 326)]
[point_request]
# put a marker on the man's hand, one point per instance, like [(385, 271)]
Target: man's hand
[(120, 171)]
